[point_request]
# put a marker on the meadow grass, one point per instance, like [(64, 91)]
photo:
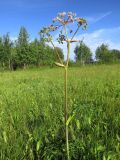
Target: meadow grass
[(32, 113)]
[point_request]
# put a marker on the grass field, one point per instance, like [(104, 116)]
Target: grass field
[(32, 114)]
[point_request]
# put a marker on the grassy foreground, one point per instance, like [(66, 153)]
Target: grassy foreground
[(31, 114)]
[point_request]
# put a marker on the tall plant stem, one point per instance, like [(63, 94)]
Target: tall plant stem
[(66, 114), (66, 102)]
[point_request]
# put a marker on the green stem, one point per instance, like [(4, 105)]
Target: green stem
[(66, 115), (68, 53), (66, 32), (66, 102), (75, 32)]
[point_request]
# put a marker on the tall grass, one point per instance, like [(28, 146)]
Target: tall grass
[(32, 114)]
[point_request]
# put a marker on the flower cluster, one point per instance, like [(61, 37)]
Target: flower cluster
[(62, 14), (61, 38), (62, 20), (81, 21), (66, 18), (45, 32)]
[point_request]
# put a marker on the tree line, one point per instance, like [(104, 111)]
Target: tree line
[(23, 53), (103, 54)]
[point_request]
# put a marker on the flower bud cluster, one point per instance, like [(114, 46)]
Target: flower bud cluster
[(66, 18), (81, 21), (62, 20)]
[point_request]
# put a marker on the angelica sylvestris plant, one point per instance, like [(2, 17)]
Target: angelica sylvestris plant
[(63, 23)]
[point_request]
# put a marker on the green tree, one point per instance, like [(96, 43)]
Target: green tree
[(7, 46), (14, 58), (48, 57), (51, 55), (37, 51), (23, 48), (83, 53), (115, 55), (103, 54), (1, 50), (60, 53)]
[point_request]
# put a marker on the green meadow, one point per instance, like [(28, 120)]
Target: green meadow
[(32, 113)]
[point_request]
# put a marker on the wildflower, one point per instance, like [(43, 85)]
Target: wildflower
[(63, 14), (55, 19), (69, 13), (81, 21)]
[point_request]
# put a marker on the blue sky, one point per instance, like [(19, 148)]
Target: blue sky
[(103, 18)]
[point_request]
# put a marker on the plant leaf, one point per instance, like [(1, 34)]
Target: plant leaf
[(59, 64), (69, 119)]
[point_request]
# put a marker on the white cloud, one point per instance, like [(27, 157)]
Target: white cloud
[(99, 17), (107, 36)]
